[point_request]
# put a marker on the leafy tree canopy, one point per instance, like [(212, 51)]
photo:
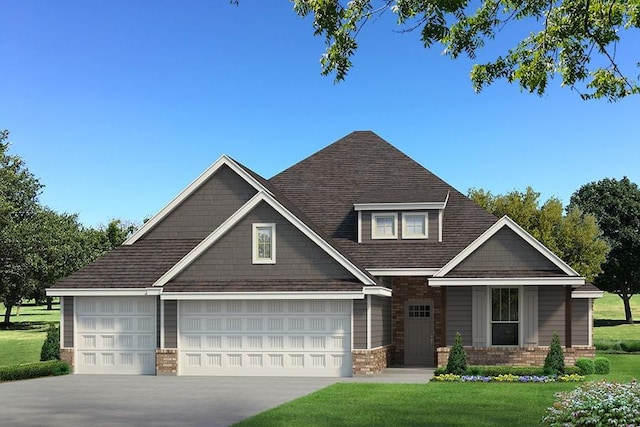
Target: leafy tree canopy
[(574, 237), (616, 206), (575, 39)]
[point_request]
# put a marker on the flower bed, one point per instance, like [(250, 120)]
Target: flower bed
[(509, 378)]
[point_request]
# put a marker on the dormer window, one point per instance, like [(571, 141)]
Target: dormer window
[(414, 226), (384, 226), (264, 243)]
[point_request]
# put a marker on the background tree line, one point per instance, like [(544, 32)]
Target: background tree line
[(39, 246)]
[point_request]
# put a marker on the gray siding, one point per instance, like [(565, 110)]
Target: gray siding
[(458, 311), (170, 324), (506, 251), (67, 317), (551, 314), (580, 321), (380, 321), (297, 257), (202, 212), (360, 324), (432, 225), (158, 315)]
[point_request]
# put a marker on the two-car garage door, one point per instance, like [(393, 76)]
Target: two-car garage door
[(265, 337)]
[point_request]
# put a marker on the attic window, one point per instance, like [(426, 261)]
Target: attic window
[(414, 226), (264, 243), (384, 226)]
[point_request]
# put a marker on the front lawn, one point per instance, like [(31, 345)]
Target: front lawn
[(608, 318), (23, 341), (431, 404)]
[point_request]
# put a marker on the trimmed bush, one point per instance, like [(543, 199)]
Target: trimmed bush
[(494, 371), (601, 365), (457, 362), (34, 370), (630, 346), (596, 404), (51, 347), (617, 346), (586, 366), (554, 362)]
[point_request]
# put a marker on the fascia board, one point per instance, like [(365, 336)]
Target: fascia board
[(502, 222), (68, 292), (402, 271), (260, 295), (506, 281), (224, 160), (399, 206)]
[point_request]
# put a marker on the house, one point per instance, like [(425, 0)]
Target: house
[(349, 261)]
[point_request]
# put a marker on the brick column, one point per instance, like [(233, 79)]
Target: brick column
[(166, 362)]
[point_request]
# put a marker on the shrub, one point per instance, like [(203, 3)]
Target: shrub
[(554, 362), (630, 346), (440, 371), (457, 362), (586, 366), (601, 365), (51, 347), (596, 404), (494, 371), (34, 370)]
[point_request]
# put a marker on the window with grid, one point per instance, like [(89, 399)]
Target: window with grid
[(384, 226), (504, 316), (414, 226), (419, 310), (264, 243)]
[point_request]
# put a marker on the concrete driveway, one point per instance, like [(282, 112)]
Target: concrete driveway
[(104, 400)]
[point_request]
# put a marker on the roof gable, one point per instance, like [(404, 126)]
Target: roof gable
[(506, 237)]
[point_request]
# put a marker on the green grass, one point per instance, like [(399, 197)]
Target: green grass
[(431, 404), (23, 341), (609, 320)]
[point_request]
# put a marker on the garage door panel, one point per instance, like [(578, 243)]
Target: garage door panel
[(115, 335), (289, 338)]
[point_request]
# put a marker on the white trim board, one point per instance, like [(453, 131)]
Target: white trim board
[(102, 292), (260, 295), (590, 294), (505, 281), (402, 271), (224, 160), (400, 206), (230, 222), (505, 221)]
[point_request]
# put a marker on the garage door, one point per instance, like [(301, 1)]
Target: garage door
[(274, 338), (115, 335)]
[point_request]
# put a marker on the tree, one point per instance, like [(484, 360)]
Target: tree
[(616, 206), (575, 39), (457, 361), (554, 362), (574, 237)]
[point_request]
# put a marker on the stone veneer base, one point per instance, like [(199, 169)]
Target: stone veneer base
[(66, 355), (520, 356), (167, 362), (370, 362)]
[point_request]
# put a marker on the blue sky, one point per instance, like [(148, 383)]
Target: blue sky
[(116, 105)]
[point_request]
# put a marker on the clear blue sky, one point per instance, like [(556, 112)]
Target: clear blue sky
[(117, 105)]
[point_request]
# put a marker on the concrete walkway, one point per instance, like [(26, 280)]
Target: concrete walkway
[(110, 400)]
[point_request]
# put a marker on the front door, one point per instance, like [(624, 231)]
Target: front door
[(418, 333)]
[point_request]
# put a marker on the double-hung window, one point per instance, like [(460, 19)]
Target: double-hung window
[(505, 323), (264, 243), (384, 226)]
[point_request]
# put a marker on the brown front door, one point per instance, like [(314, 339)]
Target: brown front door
[(418, 333)]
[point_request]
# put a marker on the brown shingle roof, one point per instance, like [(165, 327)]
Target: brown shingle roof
[(326, 185), (135, 266), (265, 286)]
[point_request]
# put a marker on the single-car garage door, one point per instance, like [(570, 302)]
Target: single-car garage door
[(271, 337), (115, 335)]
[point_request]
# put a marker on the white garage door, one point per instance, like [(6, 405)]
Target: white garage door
[(274, 338), (115, 335)]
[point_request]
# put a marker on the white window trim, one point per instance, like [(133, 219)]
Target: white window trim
[(254, 243), (374, 234), (406, 235), (490, 316)]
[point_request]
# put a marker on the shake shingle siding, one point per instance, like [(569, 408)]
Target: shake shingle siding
[(551, 313), (230, 258), (208, 207), (459, 314)]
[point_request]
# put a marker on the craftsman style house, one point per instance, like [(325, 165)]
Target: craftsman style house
[(354, 259)]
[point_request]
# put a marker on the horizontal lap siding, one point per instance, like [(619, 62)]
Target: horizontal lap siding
[(459, 314), (380, 321), (67, 316), (170, 324), (360, 324), (551, 313), (297, 257), (202, 212), (580, 321)]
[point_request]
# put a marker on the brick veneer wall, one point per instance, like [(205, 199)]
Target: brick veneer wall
[(415, 288), (369, 362), (520, 356), (66, 355), (166, 362)]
